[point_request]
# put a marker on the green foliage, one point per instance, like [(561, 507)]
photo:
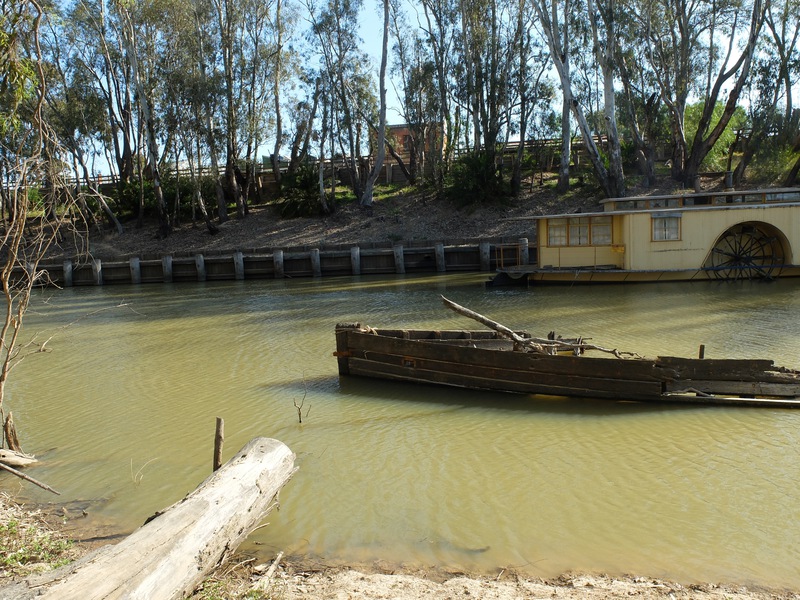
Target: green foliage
[(35, 200), (474, 179), (300, 193), (386, 190), (128, 201), (716, 159), (771, 163), (18, 75), (216, 589), (24, 544), (171, 185)]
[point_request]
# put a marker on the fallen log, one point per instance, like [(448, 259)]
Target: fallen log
[(14, 458), (169, 556)]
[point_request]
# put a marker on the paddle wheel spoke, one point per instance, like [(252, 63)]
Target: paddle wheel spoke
[(745, 252)]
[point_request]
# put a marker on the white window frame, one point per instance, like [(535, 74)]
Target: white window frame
[(666, 227)]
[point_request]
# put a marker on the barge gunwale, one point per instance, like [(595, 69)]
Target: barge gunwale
[(482, 360)]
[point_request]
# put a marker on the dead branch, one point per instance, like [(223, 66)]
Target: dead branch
[(535, 344), (21, 475)]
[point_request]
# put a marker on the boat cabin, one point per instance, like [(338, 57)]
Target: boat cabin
[(725, 235)]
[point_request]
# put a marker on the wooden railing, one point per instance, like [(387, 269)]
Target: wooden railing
[(704, 199)]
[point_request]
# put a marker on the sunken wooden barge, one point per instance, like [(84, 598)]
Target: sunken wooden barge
[(517, 362)]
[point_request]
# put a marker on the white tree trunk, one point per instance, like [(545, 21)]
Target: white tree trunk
[(366, 198), (169, 556)]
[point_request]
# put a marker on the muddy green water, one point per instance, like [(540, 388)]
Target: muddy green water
[(122, 411)]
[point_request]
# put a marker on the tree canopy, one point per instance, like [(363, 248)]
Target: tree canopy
[(220, 87)]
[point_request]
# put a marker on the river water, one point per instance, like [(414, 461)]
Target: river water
[(122, 409)]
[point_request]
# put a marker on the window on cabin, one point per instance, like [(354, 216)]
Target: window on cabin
[(579, 231), (557, 232), (666, 228), (601, 231)]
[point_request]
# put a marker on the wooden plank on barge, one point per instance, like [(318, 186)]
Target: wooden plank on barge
[(640, 370), (716, 364), (734, 401), (497, 378), (734, 388), (729, 370), (443, 334)]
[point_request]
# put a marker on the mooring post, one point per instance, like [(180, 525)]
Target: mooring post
[(136, 270), (166, 268), (97, 271), (316, 264), (399, 259), (355, 260), (200, 265), (486, 256), (277, 259), (67, 270), (238, 265), (441, 263)]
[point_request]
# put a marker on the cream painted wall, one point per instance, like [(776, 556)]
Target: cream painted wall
[(700, 229)]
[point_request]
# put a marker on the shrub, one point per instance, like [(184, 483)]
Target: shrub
[(474, 179), (300, 193)]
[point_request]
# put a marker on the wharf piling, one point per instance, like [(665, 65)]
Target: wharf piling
[(457, 256)]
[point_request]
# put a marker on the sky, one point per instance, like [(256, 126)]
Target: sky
[(371, 34)]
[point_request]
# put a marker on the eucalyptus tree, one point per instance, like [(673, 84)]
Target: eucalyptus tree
[(278, 73), (490, 35), (187, 99), (439, 23), (366, 197), (530, 84), (782, 21), (305, 102), (697, 48), (421, 111), (642, 111), (556, 22), (774, 122), (603, 18), (557, 34), (265, 67), (733, 72), (414, 69), (75, 113), (229, 15), (205, 98), (92, 30), (333, 26), (140, 40)]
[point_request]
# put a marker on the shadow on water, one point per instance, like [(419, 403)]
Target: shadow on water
[(400, 391)]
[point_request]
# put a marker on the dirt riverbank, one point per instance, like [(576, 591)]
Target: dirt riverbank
[(36, 539), (400, 217)]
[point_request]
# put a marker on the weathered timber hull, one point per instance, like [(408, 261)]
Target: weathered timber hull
[(580, 275), (483, 360)]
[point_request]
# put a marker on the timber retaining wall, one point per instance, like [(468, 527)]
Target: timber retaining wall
[(378, 259)]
